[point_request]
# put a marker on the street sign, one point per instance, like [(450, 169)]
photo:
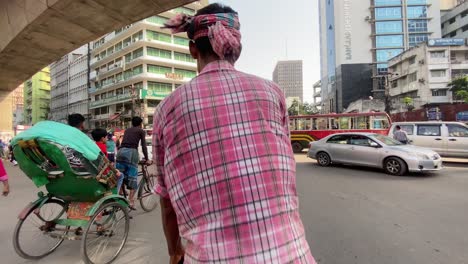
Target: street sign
[(446, 42)]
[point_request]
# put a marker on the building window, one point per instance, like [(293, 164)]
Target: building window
[(416, 2), (386, 54), (137, 36), (127, 42), (394, 84), (158, 69), (183, 57), (160, 87), (137, 70), (416, 11), (388, 13), (157, 20), (382, 68), (415, 39), (465, 28), (412, 60), (388, 27), (387, 2), (437, 54), (438, 73), (118, 46), (453, 34), (440, 92), (137, 53), (453, 56), (389, 41), (464, 13), (161, 53), (452, 20), (412, 77), (186, 73), (153, 35), (128, 57), (181, 41), (417, 25)]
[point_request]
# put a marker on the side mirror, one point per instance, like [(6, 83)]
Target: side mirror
[(374, 145)]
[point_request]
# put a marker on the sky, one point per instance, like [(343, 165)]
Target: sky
[(274, 30)]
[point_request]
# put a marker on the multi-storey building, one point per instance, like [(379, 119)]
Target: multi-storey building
[(455, 21), (359, 37), (37, 97), (423, 73), (78, 98), (288, 76), (60, 84), (134, 68), (17, 105), (317, 88)]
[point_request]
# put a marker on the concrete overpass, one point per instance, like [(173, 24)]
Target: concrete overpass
[(35, 33)]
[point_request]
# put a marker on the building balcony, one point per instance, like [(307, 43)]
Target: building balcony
[(439, 99), (459, 64), (414, 86), (109, 101)]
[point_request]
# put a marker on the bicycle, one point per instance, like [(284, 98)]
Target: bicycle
[(145, 194)]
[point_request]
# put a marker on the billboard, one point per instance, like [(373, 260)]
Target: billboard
[(446, 42)]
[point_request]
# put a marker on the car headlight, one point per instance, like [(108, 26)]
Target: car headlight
[(422, 156)]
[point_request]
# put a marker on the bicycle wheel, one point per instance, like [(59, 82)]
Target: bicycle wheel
[(148, 200), (36, 236), (106, 234)]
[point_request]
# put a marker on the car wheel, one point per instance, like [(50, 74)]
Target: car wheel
[(395, 166), (297, 147), (323, 159)]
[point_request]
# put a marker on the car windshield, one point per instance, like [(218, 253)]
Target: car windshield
[(387, 140)]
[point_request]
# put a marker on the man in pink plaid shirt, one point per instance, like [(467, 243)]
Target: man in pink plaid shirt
[(225, 168)]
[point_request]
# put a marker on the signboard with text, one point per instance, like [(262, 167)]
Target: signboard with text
[(446, 42), (149, 94)]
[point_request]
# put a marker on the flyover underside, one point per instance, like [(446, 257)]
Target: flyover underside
[(36, 33)]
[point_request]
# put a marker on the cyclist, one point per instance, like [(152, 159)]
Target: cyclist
[(127, 157)]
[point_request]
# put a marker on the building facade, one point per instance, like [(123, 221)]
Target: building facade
[(449, 4), (37, 97), (359, 37), (420, 76), (18, 105), (455, 22), (288, 76), (78, 98), (134, 68), (60, 80), (317, 90)]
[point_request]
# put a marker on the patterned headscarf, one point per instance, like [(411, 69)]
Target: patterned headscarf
[(222, 30)]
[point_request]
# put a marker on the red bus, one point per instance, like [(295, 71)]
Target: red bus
[(307, 128)]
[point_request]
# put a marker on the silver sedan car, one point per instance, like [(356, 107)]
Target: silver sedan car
[(374, 150)]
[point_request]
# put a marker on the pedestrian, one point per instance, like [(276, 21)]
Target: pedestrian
[(2, 149), (400, 135), (4, 179), (127, 157), (12, 155), (76, 121), (110, 144), (224, 164)]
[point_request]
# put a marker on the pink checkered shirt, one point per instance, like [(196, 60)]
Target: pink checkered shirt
[(223, 156)]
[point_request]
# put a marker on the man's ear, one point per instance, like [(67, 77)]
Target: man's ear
[(193, 50)]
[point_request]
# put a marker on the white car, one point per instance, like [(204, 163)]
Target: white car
[(446, 138), (374, 150)]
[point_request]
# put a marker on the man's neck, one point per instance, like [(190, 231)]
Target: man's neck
[(203, 61)]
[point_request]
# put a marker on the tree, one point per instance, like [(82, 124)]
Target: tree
[(408, 101), (298, 108), (459, 88)]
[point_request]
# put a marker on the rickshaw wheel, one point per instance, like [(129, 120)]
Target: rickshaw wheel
[(105, 232), (39, 222)]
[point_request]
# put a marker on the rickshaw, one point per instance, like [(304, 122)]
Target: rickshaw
[(80, 202)]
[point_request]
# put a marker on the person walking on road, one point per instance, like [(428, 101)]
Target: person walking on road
[(225, 168), (4, 179), (400, 135)]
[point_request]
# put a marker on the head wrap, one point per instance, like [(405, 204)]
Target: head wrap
[(222, 30)]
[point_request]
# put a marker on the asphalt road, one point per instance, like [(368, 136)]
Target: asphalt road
[(351, 215)]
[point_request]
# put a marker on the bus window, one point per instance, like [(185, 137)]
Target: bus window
[(308, 124), (292, 125), (344, 122), (334, 123), (380, 124), (362, 122), (322, 123)]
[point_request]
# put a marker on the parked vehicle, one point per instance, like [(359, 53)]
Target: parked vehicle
[(374, 150), (446, 138), (307, 128)]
